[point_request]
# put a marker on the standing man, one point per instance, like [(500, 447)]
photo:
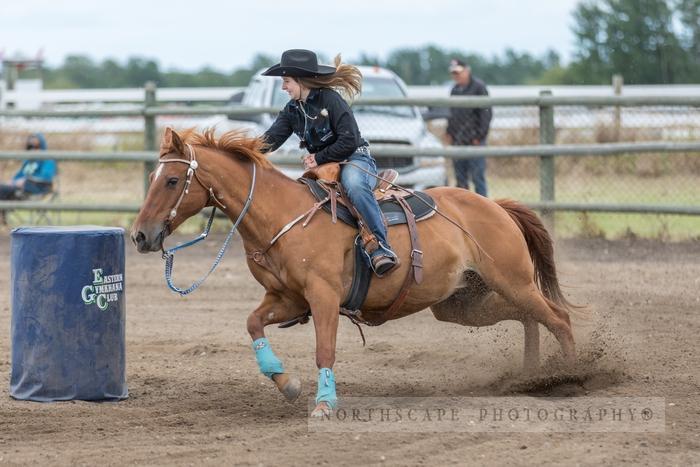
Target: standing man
[(468, 127)]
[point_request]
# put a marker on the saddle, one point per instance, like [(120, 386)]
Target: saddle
[(398, 206), (336, 203), (329, 173)]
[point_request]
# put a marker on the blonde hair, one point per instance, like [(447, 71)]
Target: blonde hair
[(347, 80)]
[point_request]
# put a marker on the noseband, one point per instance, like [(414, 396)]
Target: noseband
[(169, 255)]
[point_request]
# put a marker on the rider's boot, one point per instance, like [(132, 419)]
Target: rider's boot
[(384, 260)]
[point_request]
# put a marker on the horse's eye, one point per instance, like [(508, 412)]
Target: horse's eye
[(172, 181)]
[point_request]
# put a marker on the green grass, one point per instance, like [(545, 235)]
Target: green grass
[(682, 190), (123, 183)]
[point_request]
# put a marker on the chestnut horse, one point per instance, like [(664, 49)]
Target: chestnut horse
[(505, 271)]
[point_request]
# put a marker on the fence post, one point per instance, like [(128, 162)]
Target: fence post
[(149, 131), (617, 82), (547, 162)]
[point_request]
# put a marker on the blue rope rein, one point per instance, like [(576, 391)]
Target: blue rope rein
[(169, 254)]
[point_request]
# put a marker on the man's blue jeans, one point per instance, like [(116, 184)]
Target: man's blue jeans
[(359, 185), (474, 169)]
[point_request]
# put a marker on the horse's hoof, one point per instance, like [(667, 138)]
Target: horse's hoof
[(288, 386), (322, 410), (292, 389)]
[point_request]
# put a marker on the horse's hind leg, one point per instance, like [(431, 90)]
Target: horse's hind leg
[(477, 306), (535, 307), (531, 356)]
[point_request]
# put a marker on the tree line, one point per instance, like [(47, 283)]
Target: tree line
[(647, 41), (80, 71)]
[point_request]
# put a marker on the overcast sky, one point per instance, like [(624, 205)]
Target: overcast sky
[(226, 34)]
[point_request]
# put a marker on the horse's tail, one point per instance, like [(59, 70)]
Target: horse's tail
[(541, 249)]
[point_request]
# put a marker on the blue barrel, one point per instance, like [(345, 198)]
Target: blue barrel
[(68, 310)]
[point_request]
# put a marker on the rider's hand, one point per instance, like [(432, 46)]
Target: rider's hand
[(309, 161)]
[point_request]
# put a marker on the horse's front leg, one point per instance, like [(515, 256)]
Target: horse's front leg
[(273, 310), (325, 305)]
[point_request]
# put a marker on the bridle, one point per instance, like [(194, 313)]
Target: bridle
[(169, 254), (193, 165)]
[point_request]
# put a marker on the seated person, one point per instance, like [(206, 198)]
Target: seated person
[(34, 177)]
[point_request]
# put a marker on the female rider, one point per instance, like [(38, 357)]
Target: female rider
[(326, 126)]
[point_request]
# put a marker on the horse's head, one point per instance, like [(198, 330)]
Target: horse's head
[(174, 195)]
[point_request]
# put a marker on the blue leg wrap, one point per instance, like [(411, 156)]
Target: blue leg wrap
[(326, 388), (268, 362)]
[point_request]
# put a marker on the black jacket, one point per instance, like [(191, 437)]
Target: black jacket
[(467, 124), (332, 134)]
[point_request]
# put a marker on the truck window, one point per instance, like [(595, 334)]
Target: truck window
[(373, 87)]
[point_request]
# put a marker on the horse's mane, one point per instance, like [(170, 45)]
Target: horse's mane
[(234, 142)]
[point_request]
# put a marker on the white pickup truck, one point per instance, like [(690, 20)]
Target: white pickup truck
[(378, 124)]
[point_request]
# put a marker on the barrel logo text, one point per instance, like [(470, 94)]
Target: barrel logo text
[(103, 290)]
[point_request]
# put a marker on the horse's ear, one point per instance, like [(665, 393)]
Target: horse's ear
[(171, 142)]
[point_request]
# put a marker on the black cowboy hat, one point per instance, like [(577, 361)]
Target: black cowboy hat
[(299, 63)]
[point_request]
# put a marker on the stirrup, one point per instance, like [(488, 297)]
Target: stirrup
[(383, 264)]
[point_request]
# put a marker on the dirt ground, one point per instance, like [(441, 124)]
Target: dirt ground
[(196, 397)]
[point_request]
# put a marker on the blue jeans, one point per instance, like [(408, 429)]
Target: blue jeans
[(474, 169), (359, 186), (8, 191)]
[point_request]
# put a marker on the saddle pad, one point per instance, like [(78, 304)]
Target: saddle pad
[(422, 205)]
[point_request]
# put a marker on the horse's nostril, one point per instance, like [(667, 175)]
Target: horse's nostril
[(140, 237)]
